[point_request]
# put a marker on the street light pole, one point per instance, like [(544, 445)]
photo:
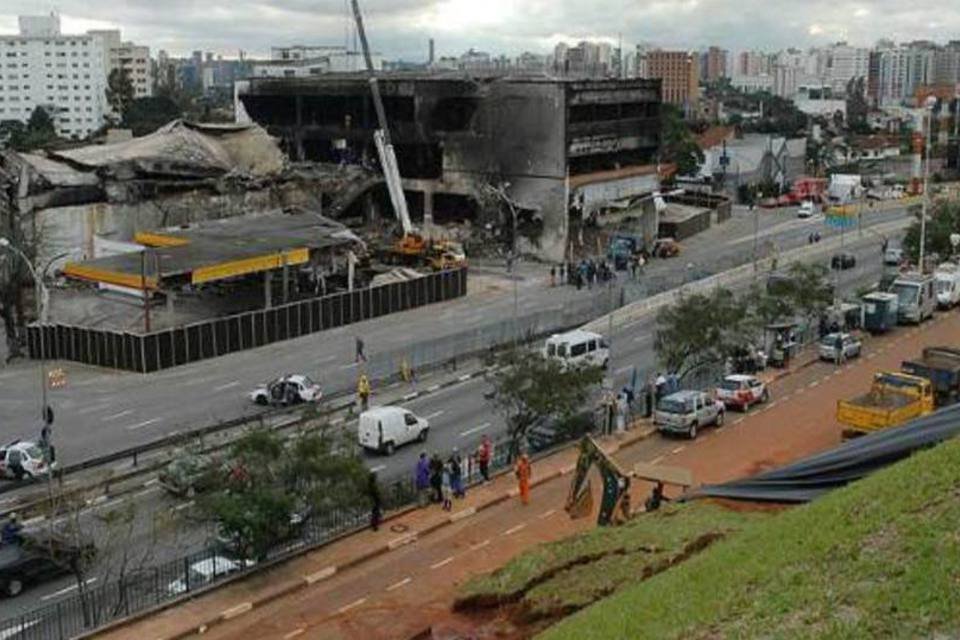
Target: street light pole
[(931, 101)]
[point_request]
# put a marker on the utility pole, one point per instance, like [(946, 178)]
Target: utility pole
[(925, 203), (143, 291)]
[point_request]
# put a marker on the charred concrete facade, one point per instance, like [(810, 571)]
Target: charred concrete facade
[(454, 134)]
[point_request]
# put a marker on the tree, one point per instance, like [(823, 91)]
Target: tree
[(678, 143), (943, 219), (146, 115), (526, 386), (810, 291), (119, 91), (700, 330), (39, 132), (857, 107), (269, 484)]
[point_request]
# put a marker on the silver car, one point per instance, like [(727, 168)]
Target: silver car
[(828, 346), (684, 412)]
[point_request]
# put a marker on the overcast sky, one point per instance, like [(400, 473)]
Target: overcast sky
[(400, 28)]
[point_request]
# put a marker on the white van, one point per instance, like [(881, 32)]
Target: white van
[(915, 296), (578, 348), (383, 429), (947, 279)]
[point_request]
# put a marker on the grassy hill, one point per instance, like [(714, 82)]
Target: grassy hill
[(879, 559)]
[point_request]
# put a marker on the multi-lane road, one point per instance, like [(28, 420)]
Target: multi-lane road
[(459, 414)]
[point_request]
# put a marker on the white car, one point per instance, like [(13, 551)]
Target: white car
[(827, 349), (807, 209), (203, 572), (287, 390), (741, 391), (23, 459)]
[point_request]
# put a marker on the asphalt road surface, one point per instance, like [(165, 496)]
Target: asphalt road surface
[(459, 416)]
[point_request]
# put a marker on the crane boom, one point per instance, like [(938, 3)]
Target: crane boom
[(388, 159)]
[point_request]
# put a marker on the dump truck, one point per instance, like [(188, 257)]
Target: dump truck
[(941, 366), (894, 398)]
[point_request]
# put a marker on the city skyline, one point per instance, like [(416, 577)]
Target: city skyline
[(400, 29)]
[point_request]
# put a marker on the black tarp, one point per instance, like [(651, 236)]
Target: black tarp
[(812, 477)]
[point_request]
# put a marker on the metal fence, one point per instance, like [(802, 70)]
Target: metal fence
[(146, 353)]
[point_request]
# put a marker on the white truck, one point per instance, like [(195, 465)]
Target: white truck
[(947, 282)]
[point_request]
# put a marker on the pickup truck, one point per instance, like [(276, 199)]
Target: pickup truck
[(941, 366), (893, 399)]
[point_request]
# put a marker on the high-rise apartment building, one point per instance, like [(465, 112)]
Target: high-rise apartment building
[(129, 57), (64, 74), (843, 64), (713, 64), (679, 75)]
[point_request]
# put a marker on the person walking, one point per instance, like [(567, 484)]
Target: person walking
[(484, 455), (523, 471), (376, 501), (446, 487), (363, 391), (359, 356), (838, 349), (456, 474), (560, 273), (553, 276), (436, 477), (422, 479)]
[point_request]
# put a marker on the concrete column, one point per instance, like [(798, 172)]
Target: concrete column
[(286, 282), (170, 297), (298, 132), (267, 290), (427, 209)]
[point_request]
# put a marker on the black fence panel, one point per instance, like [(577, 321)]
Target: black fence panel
[(326, 312), (304, 326), (179, 338), (193, 340), (316, 315), (84, 351), (233, 334), (220, 336), (206, 341), (336, 310), (135, 347), (247, 339), (150, 359), (165, 349), (62, 341), (259, 328), (115, 346), (270, 326), (50, 341)]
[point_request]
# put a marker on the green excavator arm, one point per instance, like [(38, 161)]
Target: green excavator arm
[(616, 483)]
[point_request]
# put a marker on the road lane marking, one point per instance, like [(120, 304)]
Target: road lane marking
[(656, 460), (379, 467), (118, 415), (98, 407), (513, 530), (352, 605), (65, 590), (679, 449), (141, 425), (476, 429), (547, 514), (402, 583), (185, 505), (435, 414), (442, 563), (323, 574), (294, 633), (146, 492), (813, 384), (229, 385), (480, 545)]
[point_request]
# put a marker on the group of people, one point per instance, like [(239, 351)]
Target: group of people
[(587, 272), (813, 238)]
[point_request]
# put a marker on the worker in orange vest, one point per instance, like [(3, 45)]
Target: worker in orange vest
[(523, 471)]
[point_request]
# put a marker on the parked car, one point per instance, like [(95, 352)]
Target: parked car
[(34, 561), (203, 572), (807, 209), (892, 256), (287, 390), (383, 429), (231, 548), (547, 431), (665, 248), (843, 261), (24, 459), (828, 346), (685, 412), (742, 391)]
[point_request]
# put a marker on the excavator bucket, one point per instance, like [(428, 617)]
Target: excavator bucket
[(581, 505)]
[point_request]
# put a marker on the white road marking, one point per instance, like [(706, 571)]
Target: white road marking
[(547, 514), (229, 385), (65, 590), (185, 505), (349, 366), (623, 369), (476, 429), (513, 530), (118, 415), (656, 460), (435, 414), (141, 425), (352, 605), (379, 467), (442, 563), (146, 492), (679, 449), (294, 633), (402, 583), (480, 545), (98, 407), (813, 384)]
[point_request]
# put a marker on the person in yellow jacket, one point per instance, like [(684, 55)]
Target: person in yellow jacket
[(363, 391)]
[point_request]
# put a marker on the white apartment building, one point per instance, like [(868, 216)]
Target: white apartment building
[(900, 71), (132, 58), (300, 61), (64, 74), (845, 63)]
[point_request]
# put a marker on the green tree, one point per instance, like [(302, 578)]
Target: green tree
[(678, 143), (39, 132), (526, 386), (700, 330), (943, 219), (810, 291), (268, 482), (119, 92), (146, 115), (857, 107)]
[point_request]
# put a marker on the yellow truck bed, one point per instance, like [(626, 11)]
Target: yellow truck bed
[(871, 412)]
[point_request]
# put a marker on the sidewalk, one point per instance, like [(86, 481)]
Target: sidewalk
[(245, 594)]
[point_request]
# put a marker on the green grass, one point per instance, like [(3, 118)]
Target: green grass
[(878, 559), (567, 575)]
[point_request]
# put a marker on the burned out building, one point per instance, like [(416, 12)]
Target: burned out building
[(556, 145)]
